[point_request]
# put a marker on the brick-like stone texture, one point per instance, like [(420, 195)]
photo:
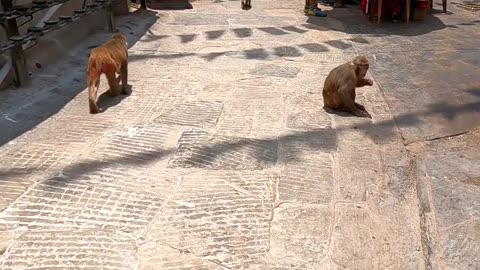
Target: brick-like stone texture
[(131, 145), (158, 256), (193, 113), (262, 119), (271, 70), (224, 158), (77, 131), (13, 183), (305, 112), (149, 107), (199, 149), (255, 88), (39, 157), (85, 249), (291, 226), (220, 216), (308, 167), (67, 203)]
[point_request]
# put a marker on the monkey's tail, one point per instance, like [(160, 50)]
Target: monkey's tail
[(94, 67)]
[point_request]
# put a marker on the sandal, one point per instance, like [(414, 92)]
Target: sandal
[(316, 13)]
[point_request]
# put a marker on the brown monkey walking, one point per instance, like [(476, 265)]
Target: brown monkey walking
[(339, 87), (109, 59)]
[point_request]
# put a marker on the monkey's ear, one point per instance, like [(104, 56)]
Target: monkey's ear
[(355, 67)]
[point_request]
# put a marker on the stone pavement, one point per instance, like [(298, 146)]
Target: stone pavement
[(223, 158)]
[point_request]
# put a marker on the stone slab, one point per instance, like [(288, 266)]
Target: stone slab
[(451, 189), (199, 149), (61, 249), (439, 85), (194, 113), (220, 216)]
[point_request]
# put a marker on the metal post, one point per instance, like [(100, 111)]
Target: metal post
[(379, 11), (409, 4), (20, 67), (16, 53), (110, 19)]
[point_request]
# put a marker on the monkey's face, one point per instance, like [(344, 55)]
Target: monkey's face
[(362, 69), (361, 66)]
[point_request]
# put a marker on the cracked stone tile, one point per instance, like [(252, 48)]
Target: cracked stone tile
[(154, 256)]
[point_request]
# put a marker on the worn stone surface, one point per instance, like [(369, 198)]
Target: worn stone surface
[(302, 234), (198, 149), (197, 114), (433, 90), (449, 172), (223, 157), (65, 249), (220, 216), (5, 238)]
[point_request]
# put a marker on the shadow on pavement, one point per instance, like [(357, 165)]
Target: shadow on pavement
[(17, 115), (323, 139), (105, 101), (355, 22)]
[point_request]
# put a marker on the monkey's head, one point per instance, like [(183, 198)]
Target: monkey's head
[(120, 37), (360, 65)]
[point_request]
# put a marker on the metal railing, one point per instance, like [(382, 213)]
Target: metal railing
[(8, 19)]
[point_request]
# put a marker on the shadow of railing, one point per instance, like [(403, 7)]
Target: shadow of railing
[(314, 140), (249, 54), (16, 117)]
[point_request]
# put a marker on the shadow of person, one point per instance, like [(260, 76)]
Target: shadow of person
[(351, 20), (105, 101)]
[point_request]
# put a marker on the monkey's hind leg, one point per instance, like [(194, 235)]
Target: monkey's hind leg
[(124, 74), (349, 104), (246, 4), (353, 96), (92, 96), (112, 83)]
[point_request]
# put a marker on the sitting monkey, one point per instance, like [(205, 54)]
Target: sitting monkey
[(110, 59), (339, 87)]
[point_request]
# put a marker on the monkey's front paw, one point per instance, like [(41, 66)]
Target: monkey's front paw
[(369, 82)]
